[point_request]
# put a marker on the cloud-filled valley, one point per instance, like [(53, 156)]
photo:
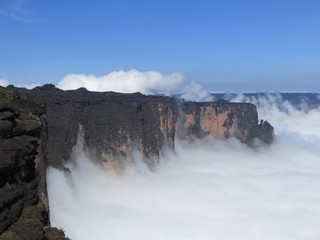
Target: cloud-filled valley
[(208, 189)]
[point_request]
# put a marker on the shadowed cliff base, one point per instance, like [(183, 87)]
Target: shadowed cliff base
[(113, 124)]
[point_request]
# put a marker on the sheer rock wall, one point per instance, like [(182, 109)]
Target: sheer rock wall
[(113, 125)]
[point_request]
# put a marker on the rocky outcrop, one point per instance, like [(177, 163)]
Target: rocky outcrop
[(113, 125), (23, 195), (263, 131)]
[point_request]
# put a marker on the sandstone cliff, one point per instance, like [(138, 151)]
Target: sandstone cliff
[(23, 195), (222, 119), (112, 125)]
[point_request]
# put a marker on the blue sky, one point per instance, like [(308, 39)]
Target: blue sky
[(261, 45)]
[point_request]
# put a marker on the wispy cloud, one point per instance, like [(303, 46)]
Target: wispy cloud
[(17, 10), (4, 81)]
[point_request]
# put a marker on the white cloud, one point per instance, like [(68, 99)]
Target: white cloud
[(150, 82), (3, 82), (206, 190), (194, 92), (17, 10)]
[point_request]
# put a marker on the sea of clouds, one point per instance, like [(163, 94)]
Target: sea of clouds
[(209, 189)]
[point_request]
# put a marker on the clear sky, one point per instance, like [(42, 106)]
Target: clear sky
[(261, 45)]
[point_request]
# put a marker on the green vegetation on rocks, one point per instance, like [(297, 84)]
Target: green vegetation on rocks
[(6, 95), (31, 225), (52, 233)]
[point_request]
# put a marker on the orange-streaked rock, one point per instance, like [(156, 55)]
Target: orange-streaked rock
[(189, 120), (220, 119)]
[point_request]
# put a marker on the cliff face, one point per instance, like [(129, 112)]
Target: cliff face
[(220, 119), (23, 195), (223, 119), (112, 125), (118, 124)]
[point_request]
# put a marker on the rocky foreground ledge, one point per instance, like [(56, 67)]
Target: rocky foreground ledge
[(24, 210)]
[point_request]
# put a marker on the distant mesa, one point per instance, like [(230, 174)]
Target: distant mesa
[(114, 124)]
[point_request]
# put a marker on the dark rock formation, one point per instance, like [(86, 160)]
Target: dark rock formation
[(23, 195), (113, 124), (264, 132)]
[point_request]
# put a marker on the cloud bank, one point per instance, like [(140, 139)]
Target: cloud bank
[(208, 190), (150, 82), (287, 118)]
